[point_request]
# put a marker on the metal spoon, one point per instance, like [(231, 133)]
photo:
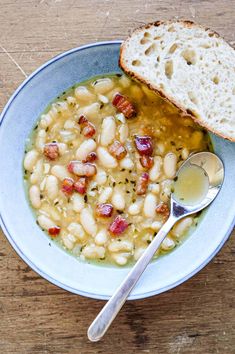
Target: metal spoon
[(214, 169)]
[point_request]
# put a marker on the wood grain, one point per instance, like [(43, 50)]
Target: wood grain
[(37, 317)]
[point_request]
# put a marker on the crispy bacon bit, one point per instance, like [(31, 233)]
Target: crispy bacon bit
[(117, 150), (90, 157), (163, 209), (124, 106), (146, 161), (82, 120), (142, 184), (88, 129), (54, 231), (51, 151), (144, 145), (104, 210), (82, 169), (80, 185), (118, 226), (67, 185)]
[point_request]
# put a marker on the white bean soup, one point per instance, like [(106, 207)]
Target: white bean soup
[(99, 169)]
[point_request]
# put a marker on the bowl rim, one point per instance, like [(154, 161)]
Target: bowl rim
[(31, 263)]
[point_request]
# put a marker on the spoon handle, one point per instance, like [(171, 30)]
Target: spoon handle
[(106, 316)]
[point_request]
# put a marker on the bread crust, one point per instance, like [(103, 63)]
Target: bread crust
[(168, 98)]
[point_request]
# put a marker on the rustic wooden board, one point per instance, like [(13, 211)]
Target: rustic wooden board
[(37, 317)]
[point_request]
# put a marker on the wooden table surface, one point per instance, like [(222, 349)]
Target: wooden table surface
[(36, 316)]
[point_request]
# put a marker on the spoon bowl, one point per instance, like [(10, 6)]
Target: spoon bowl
[(213, 168)]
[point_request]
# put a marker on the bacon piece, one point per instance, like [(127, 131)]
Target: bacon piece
[(80, 185), (54, 231), (67, 185), (144, 145), (104, 210), (117, 150), (88, 129), (142, 184), (82, 169), (146, 161), (124, 105), (51, 151), (163, 209), (92, 156), (118, 226)]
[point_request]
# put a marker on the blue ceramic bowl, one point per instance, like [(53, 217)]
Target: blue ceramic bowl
[(33, 246)]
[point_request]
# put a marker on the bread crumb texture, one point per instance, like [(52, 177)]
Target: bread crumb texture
[(191, 66)]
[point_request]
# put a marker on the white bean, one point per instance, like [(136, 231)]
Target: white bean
[(127, 163), (46, 120), (60, 172), (169, 164), (120, 117), (50, 211), (77, 230), (41, 140), (105, 158), (46, 168), (34, 196), (43, 183), (103, 85), (37, 174), (88, 222), (69, 241), (82, 94), (156, 225), (45, 222), (71, 100), (108, 131), (105, 195), (167, 244), (118, 199), (120, 259), (117, 246), (69, 124), (150, 203), (78, 203), (92, 110), (101, 238), (63, 148), (155, 171), (100, 177), (154, 188), (123, 133), (103, 99), (53, 111), (138, 253), (85, 148), (62, 108), (51, 187), (30, 160), (67, 135), (93, 252), (135, 208), (182, 226)]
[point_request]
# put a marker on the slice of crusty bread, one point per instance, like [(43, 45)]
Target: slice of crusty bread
[(191, 66)]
